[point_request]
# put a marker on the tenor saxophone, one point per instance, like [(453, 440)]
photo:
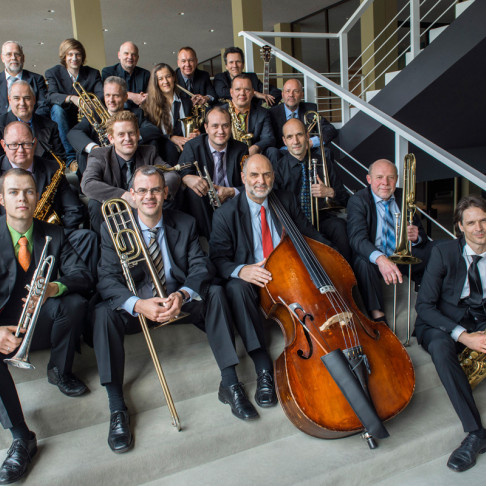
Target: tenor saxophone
[(238, 130)]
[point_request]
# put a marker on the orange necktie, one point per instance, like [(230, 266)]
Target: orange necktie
[(24, 253)]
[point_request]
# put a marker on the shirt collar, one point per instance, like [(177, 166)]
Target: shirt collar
[(378, 199), (15, 166), (144, 227), (15, 235), (8, 76), (289, 112), (468, 251), (215, 149), (255, 208)]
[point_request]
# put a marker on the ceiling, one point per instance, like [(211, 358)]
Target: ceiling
[(154, 25)]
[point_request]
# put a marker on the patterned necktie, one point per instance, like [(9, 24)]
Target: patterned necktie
[(24, 253), (189, 84), (130, 165), (242, 118), (156, 255), (267, 242), (475, 298), (388, 235), (219, 169), (305, 196)]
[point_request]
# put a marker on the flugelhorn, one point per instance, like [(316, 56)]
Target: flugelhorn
[(30, 313), (131, 249), (212, 192)]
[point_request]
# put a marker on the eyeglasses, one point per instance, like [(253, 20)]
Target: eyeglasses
[(16, 146), (155, 190)]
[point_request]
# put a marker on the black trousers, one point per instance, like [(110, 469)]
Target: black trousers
[(334, 229), (58, 327), (200, 209), (444, 350), (211, 316), (85, 243)]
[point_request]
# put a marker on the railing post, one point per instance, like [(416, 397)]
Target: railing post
[(401, 149), (310, 93), (249, 67), (414, 28), (343, 54)]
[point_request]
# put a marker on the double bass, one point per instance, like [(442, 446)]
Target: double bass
[(340, 372)]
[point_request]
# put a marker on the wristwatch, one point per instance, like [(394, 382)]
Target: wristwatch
[(184, 298)]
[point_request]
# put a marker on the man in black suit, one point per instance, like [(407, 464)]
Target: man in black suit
[(222, 156), (135, 77), (451, 315), (245, 231), (294, 107), (186, 274), (110, 169), (234, 61), (22, 103), (84, 138), (61, 317), (19, 146), (292, 174), (13, 59), (371, 232), (193, 79)]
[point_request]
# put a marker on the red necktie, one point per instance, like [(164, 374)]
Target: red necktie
[(267, 242), (24, 254)]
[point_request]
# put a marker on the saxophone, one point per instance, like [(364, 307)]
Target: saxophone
[(44, 206), (238, 129), (474, 365)]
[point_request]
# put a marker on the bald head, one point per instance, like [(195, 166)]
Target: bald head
[(292, 94), (296, 138), (128, 56)]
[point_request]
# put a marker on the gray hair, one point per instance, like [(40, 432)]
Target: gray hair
[(21, 82), (18, 44), (148, 170), (117, 80)]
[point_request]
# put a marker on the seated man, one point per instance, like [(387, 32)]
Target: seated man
[(110, 169), (59, 202), (61, 318), (223, 158), (292, 174), (234, 61), (451, 315), (294, 107), (135, 77), (84, 138), (371, 232), (186, 274), (21, 98), (193, 79)]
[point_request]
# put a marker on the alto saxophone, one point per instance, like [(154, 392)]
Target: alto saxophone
[(43, 210), (238, 130)]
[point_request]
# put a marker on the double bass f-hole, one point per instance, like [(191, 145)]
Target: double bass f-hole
[(293, 308)]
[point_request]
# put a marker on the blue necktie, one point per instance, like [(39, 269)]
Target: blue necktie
[(389, 241), (305, 196)]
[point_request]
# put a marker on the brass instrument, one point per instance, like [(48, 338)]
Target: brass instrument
[(474, 365), (238, 131), (131, 249), (176, 167), (212, 192), (44, 205), (195, 120), (94, 111), (28, 319), (313, 119)]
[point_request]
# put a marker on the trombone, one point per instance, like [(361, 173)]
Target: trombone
[(131, 249), (28, 319)]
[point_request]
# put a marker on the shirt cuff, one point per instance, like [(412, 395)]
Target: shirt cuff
[(129, 304), (192, 295), (419, 240), (374, 256), (61, 289), (236, 271), (315, 141), (456, 332), (89, 147), (236, 191)]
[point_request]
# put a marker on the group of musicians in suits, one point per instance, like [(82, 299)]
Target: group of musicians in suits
[(219, 289)]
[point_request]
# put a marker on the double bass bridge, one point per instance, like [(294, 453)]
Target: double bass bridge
[(324, 289), (343, 319)]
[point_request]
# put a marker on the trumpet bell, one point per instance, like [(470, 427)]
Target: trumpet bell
[(20, 362)]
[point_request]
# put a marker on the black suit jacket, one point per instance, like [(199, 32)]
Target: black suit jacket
[(38, 85), (439, 299), (201, 84), (68, 268), (277, 115), (45, 130), (189, 266), (222, 85), (231, 242), (198, 149), (288, 175), (102, 179), (362, 223), (66, 203)]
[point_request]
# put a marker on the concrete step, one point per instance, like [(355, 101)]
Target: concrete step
[(460, 7), (434, 33)]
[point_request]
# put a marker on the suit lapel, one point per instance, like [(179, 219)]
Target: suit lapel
[(209, 156), (8, 255), (3, 91), (115, 169), (245, 218), (172, 236), (40, 177), (39, 242), (461, 274)]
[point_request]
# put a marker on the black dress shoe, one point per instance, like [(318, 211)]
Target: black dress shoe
[(235, 395), (265, 395), (120, 437), (464, 457), (18, 460), (68, 383)]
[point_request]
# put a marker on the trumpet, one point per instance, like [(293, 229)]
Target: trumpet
[(30, 313), (212, 192), (93, 110), (131, 249)]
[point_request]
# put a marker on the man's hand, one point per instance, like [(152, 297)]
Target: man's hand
[(129, 199), (51, 291), (256, 274), (153, 308), (389, 271), (199, 99), (320, 190), (179, 141), (197, 184), (8, 341), (269, 99), (137, 98), (225, 193), (254, 149), (474, 340), (173, 305), (412, 233)]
